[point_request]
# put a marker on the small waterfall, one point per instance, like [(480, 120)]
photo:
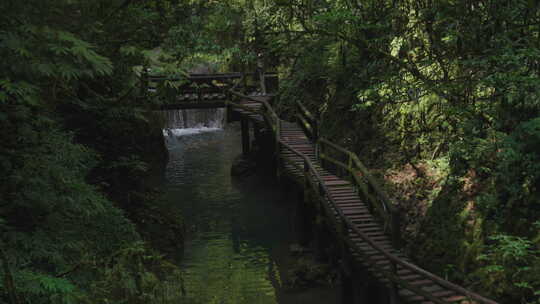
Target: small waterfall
[(192, 121)]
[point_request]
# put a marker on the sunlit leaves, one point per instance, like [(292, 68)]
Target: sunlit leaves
[(55, 53), (427, 80), (508, 259)]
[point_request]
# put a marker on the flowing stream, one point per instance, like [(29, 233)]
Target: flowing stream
[(239, 230)]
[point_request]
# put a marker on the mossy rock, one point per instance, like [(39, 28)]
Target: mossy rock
[(308, 272), (243, 167)]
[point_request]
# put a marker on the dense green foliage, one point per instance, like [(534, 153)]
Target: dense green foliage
[(448, 87), (76, 146)]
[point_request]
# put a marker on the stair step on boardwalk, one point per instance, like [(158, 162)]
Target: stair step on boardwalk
[(346, 200)]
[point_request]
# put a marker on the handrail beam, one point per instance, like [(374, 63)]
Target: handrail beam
[(383, 251), (305, 111)]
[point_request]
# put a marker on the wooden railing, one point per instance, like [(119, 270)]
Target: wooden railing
[(352, 169), (195, 82), (314, 181), (367, 187), (307, 121), (267, 111), (198, 78), (198, 85)]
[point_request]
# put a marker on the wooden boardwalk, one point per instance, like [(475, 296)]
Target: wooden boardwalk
[(364, 237)]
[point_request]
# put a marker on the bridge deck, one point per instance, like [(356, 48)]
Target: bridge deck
[(342, 200)]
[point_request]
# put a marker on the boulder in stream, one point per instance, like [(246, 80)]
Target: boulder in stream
[(243, 167)]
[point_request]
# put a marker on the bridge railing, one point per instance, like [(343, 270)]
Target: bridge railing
[(195, 87), (354, 170), (267, 111), (367, 187), (307, 121), (314, 181)]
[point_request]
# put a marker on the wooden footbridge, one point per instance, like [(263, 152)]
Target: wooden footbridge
[(361, 221), (197, 91)]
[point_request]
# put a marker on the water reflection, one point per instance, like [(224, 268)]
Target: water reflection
[(238, 231)]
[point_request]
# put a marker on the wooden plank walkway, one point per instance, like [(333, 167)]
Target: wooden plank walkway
[(364, 234), (347, 200)]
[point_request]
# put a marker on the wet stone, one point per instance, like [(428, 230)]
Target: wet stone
[(242, 167)]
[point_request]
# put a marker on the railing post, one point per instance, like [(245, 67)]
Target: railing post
[(394, 296), (317, 152), (349, 167), (276, 147), (395, 217), (370, 191), (278, 131), (228, 109), (244, 79), (199, 93), (315, 126), (306, 177), (345, 232), (297, 116), (244, 124), (306, 235), (322, 193), (261, 81), (171, 92), (321, 152), (144, 81)]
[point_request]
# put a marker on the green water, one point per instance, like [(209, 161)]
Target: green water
[(239, 231)]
